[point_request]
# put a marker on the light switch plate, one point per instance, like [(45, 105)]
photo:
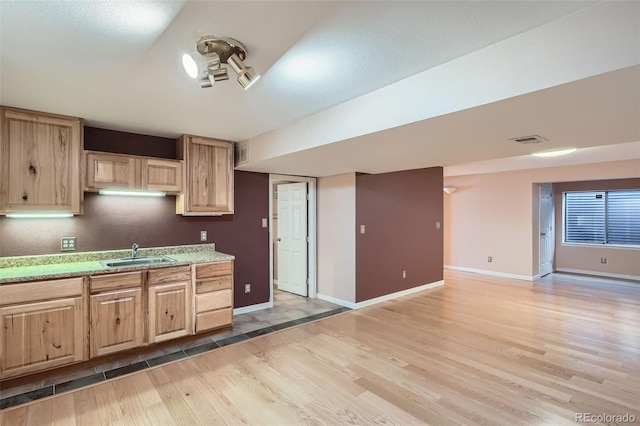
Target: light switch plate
[(362, 229), (68, 243), (437, 225)]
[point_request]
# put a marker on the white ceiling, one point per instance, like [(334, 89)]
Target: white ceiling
[(346, 86)]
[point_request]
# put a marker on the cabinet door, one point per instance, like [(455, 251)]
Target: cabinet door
[(110, 171), (209, 176), (116, 321), (38, 336), (40, 162), (162, 175), (169, 311)]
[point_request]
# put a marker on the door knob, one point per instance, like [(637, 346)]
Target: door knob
[(278, 239)]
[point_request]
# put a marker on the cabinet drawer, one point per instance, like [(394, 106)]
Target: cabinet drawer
[(208, 270), (170, 275), (213, 319), (212, 301), (115, 281), (40, 290), (213, 284)]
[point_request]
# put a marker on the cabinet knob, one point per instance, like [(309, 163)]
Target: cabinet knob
[(32, 169)]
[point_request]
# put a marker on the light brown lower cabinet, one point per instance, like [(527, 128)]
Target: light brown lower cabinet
[(169, 311), (42, 335), (214, 295), (116, 321)]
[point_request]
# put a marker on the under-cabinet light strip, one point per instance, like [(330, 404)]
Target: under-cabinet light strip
[(38, 215), (132, 193)]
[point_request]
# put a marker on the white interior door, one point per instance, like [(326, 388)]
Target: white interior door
[(547, 237), (292, 238)]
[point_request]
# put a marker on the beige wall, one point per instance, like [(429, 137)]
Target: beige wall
[(337, 237), (493, 214)]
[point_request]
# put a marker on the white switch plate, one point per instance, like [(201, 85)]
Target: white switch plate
[(203, 235), (362, 229), (264, 222), (437, 225)]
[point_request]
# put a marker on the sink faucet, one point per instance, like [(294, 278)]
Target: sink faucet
[(134, 250)]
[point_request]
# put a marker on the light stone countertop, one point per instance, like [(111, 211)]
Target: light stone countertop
[(44, 267)]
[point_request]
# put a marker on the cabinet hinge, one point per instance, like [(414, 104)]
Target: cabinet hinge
[(307, 238), (307, 281), (307, 197)]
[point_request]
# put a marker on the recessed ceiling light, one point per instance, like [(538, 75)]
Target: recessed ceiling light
[(190, 65), (554, 153)]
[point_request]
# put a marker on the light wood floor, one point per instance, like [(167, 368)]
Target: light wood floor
[(481, 350)]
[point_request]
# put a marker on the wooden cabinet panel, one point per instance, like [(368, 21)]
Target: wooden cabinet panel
[(119, 171), (169, 275), (213, 284), (116, 321), (12, 294), (42, 335), (110, 171), (40, 156), (115, 281), (206, 270), (169, 311), (213, 300), (208, 187), (214, 319), (162, 175)]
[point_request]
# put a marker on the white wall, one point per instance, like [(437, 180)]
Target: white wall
[(493, 215), (337, 238)]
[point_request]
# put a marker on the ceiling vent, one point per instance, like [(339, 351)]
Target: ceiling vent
[(529, 139), (242, 153)]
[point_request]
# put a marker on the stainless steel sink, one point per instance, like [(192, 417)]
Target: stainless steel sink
[(136, 261)]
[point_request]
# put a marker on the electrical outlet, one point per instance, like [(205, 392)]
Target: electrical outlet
[(404, 274), (264, 222), (203, 235), (362, 229), (247, 288), (68, 243), (489, 259), (438, 225), (603, 260)]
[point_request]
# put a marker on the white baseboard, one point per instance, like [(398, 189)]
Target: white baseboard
[(252, 308), (350, 305), (365, 303), (493, 273), (397, 294), (599, 274)]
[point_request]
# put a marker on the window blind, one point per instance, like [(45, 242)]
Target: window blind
[(602, 217)]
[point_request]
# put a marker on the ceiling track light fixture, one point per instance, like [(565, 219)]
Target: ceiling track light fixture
[(217, 51)]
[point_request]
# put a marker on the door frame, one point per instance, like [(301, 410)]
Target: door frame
[(552, 234), (312, 255)]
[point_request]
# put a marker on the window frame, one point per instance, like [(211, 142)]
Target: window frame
[(606, 221)]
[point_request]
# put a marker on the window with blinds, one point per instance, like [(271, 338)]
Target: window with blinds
[(602, 217)]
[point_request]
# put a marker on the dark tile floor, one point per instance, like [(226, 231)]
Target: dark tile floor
[(288, 310)]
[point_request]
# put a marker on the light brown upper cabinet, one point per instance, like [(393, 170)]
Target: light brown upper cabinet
[(208, 188), (40, 162), (118, 171)]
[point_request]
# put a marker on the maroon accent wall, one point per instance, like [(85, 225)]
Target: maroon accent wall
[(117, 222), (128, 143), (399, 211)]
